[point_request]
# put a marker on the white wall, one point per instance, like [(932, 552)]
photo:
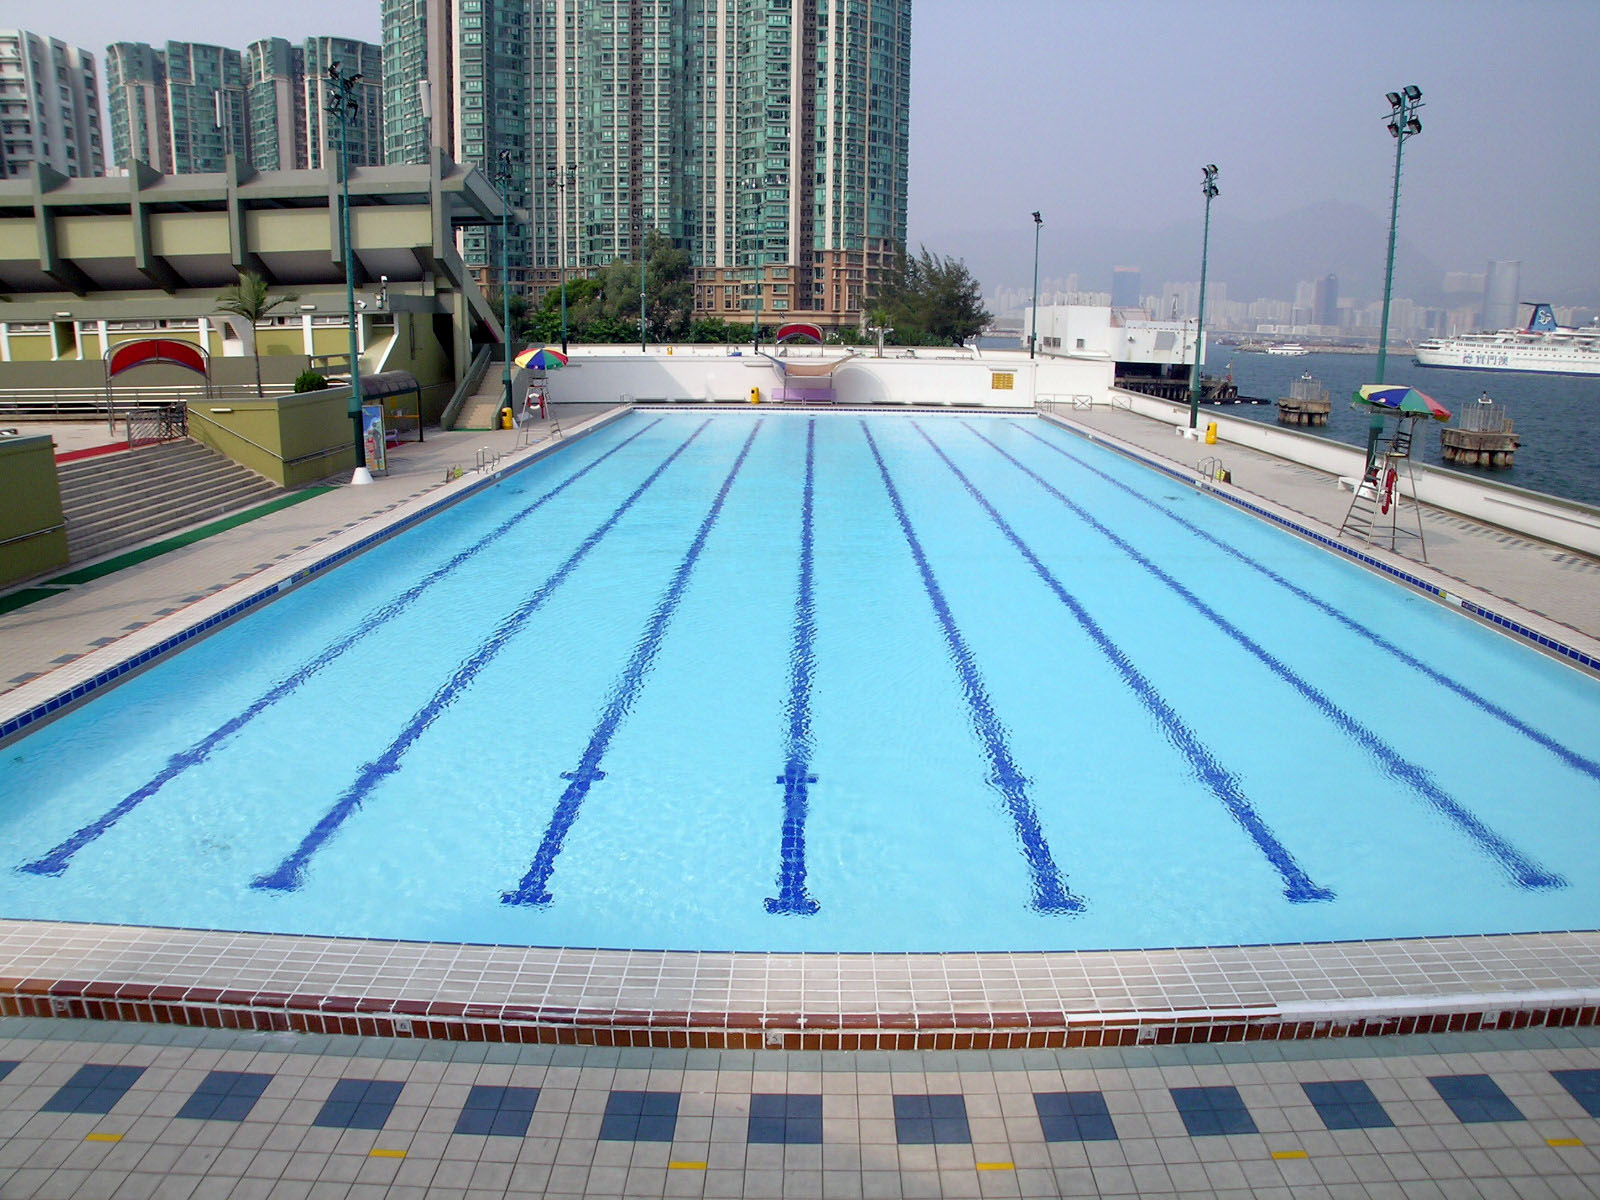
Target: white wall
[(924, 376)]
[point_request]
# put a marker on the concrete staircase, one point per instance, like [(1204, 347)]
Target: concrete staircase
[(120, 500), (481, 408)]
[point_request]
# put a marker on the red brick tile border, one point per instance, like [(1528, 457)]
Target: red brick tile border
[(217, 1008)]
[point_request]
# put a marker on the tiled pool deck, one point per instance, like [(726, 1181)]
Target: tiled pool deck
[(751, 1001)]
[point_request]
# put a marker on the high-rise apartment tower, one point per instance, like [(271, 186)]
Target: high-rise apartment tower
[(49, 107)]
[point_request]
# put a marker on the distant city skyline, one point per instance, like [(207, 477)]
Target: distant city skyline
[(1101, 115)]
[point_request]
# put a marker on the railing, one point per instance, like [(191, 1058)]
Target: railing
[(1055, 402), (22, 537), (1484, 417), (92, 403), (468, 386), (156, 423), (270, 453)]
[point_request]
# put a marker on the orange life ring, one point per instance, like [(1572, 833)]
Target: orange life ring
[(1388, 489)]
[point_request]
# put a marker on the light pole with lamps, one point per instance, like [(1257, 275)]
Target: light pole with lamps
[(502, 183), (563, 180), (1402, 123), (1209, 187), (1033, 337), (342, 105)]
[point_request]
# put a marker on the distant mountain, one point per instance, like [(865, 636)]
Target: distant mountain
[(1254, 258)]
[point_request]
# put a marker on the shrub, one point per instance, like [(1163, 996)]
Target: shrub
[(309, 381)]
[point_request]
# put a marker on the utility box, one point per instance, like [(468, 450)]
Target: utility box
[(755, 395)]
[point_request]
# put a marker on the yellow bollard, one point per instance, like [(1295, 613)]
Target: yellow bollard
[(506, 421), (755, 395), (1211, 433)]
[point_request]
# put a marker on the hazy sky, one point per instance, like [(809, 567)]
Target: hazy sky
[(1101, 114)]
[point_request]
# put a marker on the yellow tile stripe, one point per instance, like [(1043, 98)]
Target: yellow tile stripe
[(688, 1166), (382, 1153), (1564, 1141), (997, 1166), (1290, 1154), (103, 1137)]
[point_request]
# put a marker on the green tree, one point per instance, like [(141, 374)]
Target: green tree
[(248, 299), (929, 301)]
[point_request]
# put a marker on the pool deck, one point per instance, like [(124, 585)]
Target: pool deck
[(754, 1001)]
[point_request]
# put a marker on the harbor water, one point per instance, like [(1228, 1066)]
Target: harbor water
[(1554, 414)]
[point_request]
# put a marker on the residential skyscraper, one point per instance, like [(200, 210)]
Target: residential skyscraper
[(765, 137), (49, 106), (185, 107), (1325, 301)]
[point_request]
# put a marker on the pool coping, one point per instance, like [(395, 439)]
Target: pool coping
[(752, 1000)]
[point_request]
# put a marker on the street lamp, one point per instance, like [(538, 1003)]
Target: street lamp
[(1033, 337), (1402, 123), (1209, 187), (563, 180), (502, 183), (342, 105)]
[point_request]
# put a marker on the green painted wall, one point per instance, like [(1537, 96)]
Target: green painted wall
[(32, 490), (281, 437)]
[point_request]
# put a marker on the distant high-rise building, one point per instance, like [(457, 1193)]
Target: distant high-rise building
[(1500, 288), (767, 138), (1125, 287), (49, 107), (1325, 301), (275, 74), (185, 107)]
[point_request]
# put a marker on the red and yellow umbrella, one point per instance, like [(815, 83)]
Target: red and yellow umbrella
[(1401, 400), (541, 358)]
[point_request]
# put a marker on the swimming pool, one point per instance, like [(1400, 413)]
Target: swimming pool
[(819, 682)]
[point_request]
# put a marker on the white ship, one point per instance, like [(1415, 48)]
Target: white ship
[(1288, 349), (1543, 346)]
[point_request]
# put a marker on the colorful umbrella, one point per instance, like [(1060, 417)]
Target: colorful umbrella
[(1401, 400), (541, 358)]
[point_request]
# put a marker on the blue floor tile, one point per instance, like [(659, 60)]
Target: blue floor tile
[(640, 1117), (1074, 1117), (1475, 1099), (498, 1111), (95, 1088), (1584, 1087), (777, 1118), (225, 1096), (1209, 1111), (1347, 1104), (359, 1104), (931, 1120)]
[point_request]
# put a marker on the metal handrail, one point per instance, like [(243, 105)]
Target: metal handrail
[(22, 537), (288, 462), (467, 388)]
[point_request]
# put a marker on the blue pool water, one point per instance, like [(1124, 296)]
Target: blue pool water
[(821, 682)]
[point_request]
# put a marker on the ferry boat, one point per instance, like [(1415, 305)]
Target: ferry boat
[(1541, 346), (1288, 349)]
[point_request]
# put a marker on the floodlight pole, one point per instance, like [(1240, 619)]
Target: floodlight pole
[(562, 182), (1033, 337), (341, 104), (1402, 124), (502, 179), (644, 255), (1209, 187)]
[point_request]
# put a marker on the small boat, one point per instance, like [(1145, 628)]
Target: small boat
[(1288, 349)]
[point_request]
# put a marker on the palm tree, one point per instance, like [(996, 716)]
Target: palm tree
[(248, 299)]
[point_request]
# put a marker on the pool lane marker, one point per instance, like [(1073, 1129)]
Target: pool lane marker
[(1297, 885), (1571, 757), (1523, 871), (534, 887), (792, 898), (289, 874), (1049, 893), (58, 859)]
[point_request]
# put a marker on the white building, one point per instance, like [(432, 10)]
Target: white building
[(1111, 334)]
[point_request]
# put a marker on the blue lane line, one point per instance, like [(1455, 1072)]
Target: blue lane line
[(1297, 885), (1572, 758), (1049, 893), (792, 897), (1522, 870), (58, 859), (288, 875), (534, 887)]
